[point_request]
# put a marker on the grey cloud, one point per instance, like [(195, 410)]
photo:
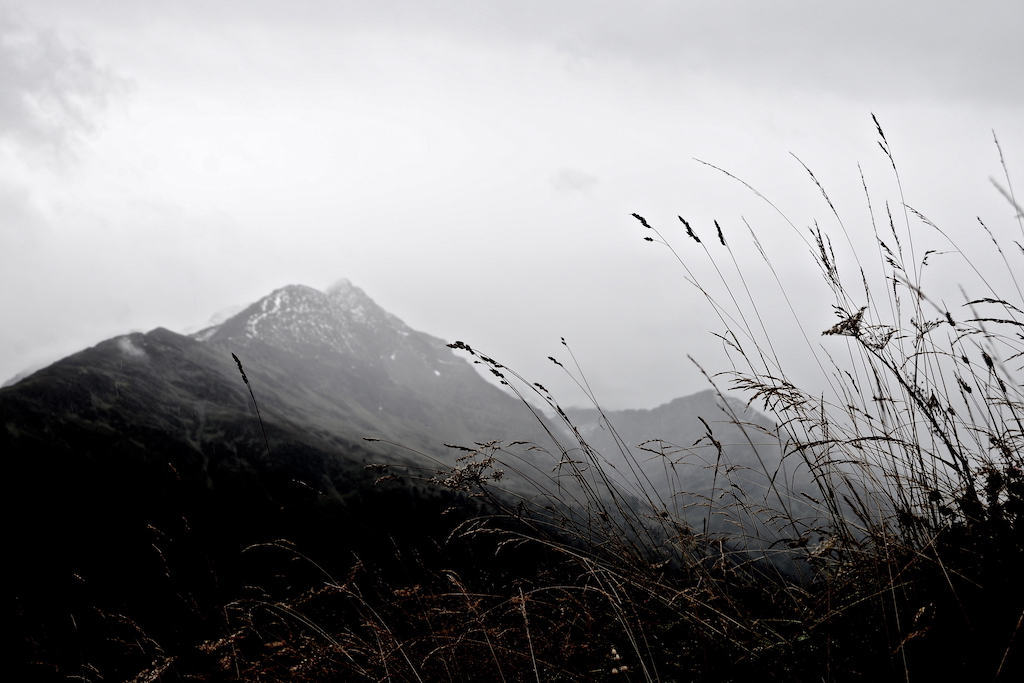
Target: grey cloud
[(49, 93), (573, 180), (129, 349), (912, 49), (909, 50)]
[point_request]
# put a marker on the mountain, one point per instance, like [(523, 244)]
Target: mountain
[(339, 364), (326, 369), (138, 471), (677, 433), (684, 449)]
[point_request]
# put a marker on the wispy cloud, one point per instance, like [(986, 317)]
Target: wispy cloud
[(573, 180), (50, 93)]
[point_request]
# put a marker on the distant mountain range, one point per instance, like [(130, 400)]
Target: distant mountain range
[(137, 471)]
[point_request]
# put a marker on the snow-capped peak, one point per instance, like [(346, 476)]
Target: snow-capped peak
[(343, 319)]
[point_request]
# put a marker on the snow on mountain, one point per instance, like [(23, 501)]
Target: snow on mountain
[(343, 320), (344, 330)]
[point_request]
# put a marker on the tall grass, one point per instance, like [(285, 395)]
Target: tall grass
[(879, 537)]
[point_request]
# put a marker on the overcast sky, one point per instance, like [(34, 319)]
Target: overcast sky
[(473, 165)]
